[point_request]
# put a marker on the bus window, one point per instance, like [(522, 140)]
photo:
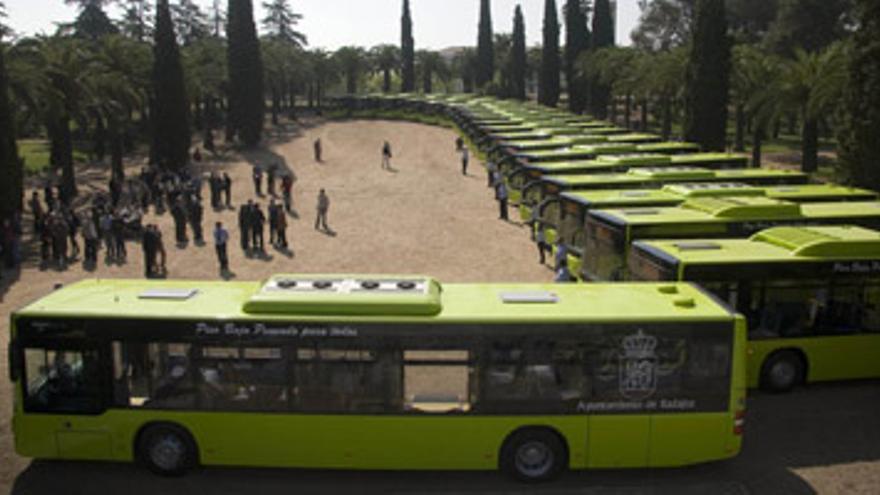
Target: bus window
[(604, 252), (62, 381), (243, 379), (345, 380), (551, 214), (786, 309), (871, 320), (536, 377), (436, 381), (154, 376)]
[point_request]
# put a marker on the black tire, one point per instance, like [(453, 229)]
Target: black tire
[(533, 455), (782, 372), (167, 450)]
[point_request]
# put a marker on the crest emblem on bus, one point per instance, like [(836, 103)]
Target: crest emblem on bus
[(638, 366)]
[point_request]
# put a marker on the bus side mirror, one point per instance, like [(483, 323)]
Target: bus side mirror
[(14, 360)]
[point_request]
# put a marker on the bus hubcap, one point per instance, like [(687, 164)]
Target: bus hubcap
[(534, 459), (783, 373), (167, 452)]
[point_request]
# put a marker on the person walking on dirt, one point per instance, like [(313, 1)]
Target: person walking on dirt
[(465, 156), (227, 189), (490, 170), (386, 156), (259, 222), (318, 150), (287, 191), (258, 180), (501, 196), (459, 143), (221, 238), (323, 208), (281, 227)]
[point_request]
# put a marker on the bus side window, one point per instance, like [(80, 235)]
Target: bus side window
[(346, 380), (437, 381), (153, 375), (62, 381), (871, 307)]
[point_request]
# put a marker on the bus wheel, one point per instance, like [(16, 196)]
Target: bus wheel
[(167, 450), (533, 455), (782, 372)]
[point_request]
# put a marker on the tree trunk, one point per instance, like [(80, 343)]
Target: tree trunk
[(386, 81), (117, 151), (310, 94), (99, 139), (63, 146), (351, 83), (757, 139), (740, 128), (667, 118), (627, 109), (644, 124), (427, 85), (612, 114), (777, 127), (792, 124), (810, 146), (275, 102)]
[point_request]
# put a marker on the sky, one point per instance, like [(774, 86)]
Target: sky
[(330, 24)]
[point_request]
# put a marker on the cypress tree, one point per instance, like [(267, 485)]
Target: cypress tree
[(708, 77), (408, 51), (859, 146), (485, 46), (247, 104), (11, 187), (170, 109), (518, 56), (603, 36), (577, 41), (548, 88)]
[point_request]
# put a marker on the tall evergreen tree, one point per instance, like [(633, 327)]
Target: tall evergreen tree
[(485, 46), (170, 108), (247, 105), (603, 37), (11, 188), (218, 19), (280, 22), (708, 77), (92, 22), (577, 41), (518, 56), (190, 22), (407, 51), (548, 87), (135, 19), (859, 146)]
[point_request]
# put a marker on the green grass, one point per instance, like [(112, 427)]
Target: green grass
[(35, 153)]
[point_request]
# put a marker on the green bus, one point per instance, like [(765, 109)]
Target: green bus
[(536, 192), (567, 214), (811, 296), (354, 372), (610, 233)]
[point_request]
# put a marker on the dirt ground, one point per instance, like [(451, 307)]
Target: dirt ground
[(425, 217)]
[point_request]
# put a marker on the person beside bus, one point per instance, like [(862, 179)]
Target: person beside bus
[(541, 240), (501, 196), (561, 254), (490, 171), (465, 156), (563, 275)]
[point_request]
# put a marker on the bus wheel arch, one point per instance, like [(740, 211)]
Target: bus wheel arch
[(534, 453), (166, 448), (783, 370)]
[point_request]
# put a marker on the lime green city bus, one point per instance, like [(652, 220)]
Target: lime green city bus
[(567, 214), (355, 372), (550, 186), (811, 295), (610, 233)]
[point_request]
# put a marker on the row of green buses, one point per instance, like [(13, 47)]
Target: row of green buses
[(367, 372)]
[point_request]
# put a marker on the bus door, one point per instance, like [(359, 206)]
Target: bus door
[(64, 386)]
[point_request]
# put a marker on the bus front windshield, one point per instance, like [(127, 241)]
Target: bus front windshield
[(645, 268), (604, 251)]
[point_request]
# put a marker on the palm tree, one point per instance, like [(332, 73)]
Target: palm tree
[(52, 77), (753, 72), (322, 73), (352, 61), (429, 64), (810, 84), (206, 81), (386, 59), (121, 84)]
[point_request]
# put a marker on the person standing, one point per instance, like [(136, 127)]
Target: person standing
[(178, 212), (282, 229), (90, 236), (459, 143), (501, 196), (287, 191), (227, 189), (118, 227), (258, 180), (490, 170), (196, 215), (563, 275), (72, 228), (159, 246), (323, 208), (465, 156), (270, 180), (214, 185), (257, 226), (59, 230), (543, 247), (148, 245), (386, 156), (107, 234), (244, 225), (221, 237), (37, 210), (273, 221), (318, 150), (561, 257)]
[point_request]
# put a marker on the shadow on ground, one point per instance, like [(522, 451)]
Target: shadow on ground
[(816, 426)]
